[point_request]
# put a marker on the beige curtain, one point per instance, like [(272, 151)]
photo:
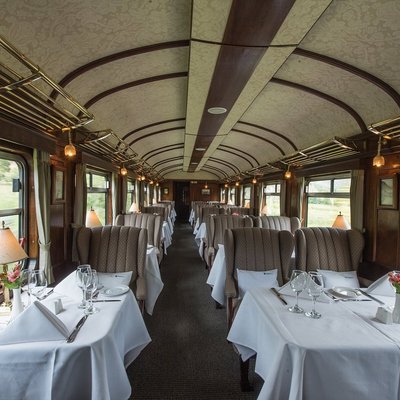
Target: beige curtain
[(300, 186), (80, 204), (124, 194), (262, 203), (42, 182), (114, 196), (282, 198), (357, 199)]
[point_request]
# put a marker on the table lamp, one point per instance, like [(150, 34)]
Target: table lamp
[(134, 208), (340, 222), (92, 220), (10, 251), (264, 210)]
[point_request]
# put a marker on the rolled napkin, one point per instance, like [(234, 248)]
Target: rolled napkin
[(37, 324), (381, 287), (287, 291)]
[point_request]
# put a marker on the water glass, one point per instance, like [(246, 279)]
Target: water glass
[(82, 278), (37, 283), (91, 289), (315, 286), (25, 283), (298, 282)]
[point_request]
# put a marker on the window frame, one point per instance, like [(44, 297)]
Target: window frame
[(23, 194), (266, 194), (107, 190)]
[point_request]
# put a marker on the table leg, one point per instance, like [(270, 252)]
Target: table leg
[(244, 376)]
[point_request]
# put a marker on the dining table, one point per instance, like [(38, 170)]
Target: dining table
[(38, 363), (347, 354)]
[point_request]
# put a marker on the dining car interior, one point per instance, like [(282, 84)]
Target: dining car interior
[(199, 199)]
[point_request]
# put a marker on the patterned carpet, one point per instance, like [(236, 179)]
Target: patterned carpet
[(189, 357)]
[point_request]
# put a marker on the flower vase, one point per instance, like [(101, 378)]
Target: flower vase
[(396, 310), (17, 305)]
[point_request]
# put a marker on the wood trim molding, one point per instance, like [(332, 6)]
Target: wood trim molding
[(166, 121), (233, 167), (149, 153), (164, 151), (220, 148), (156, 133)]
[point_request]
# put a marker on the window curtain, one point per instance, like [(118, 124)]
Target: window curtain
[(262, 203), (137, 194), (300, 182), (114, 196), (282, 198), (42, 181), (124, 194), (357, 199), (80, 205)]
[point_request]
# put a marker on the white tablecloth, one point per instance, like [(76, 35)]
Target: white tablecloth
[(345, 355), (191, 217), (201, 234), (196, 226), (154, 284), (166, 236), (92, 367), (217, 276)]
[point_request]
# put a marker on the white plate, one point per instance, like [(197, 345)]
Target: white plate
[(116, 291), (345, 292)]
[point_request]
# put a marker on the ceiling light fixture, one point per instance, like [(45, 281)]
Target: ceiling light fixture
[(69, 149), (200, 148), (378, 160), (206, 186), (194, 162), (217, 110), (254, 180), (237, 183), (288, 173), (124, 171)]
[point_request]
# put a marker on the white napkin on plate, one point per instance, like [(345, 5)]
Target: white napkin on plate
[(115, 279), (381, 287), (287, 291), (36, 324)]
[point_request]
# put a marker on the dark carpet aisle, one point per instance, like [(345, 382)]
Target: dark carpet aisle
[(189, 357)]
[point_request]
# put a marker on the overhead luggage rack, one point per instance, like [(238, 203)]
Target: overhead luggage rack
[(389, 129), (25, 95)]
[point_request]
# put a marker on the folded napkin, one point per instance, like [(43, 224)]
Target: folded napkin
[(115, 279), (287, 291), (381, 287), (36, 324)]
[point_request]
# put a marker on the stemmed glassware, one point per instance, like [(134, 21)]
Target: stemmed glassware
[(25, 283), (37, 283), (91, 289), (315, 286), (82, 278), (298, 282)]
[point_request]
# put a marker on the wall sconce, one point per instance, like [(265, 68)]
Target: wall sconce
[(157, 184), (237, 183), (206, 186), (69, 149), (254, 180), (288, 173), (92, 220), (142, 178), (226, 185), (151, 182), (340, 222), (123, 171), (378, 160)]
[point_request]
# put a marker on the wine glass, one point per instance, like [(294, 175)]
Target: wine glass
[(82, 278), (37, 283), (298, 281), (93, 285), (25, 283), (315, 286)]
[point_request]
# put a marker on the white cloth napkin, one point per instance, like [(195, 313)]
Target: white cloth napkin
[(381, 287), (115, 279), (36, 324), (287, 291)]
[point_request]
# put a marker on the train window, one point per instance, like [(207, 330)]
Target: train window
[(272, 199), (98, 193), (232, 196), (222, 195), (130, 194), (13, 196), (246, 200), (326, 197)]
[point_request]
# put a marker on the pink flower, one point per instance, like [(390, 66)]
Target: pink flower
[(13, 275)]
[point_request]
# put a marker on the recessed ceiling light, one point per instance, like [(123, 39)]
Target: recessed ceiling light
[(193, 162), (217, 110), (200, 148)]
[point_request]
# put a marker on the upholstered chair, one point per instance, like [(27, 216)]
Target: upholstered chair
[(116, 249), (215, 232), (280, 223), (241, 210), (328, 248), (254, 249), (153, 224), (160, 210), (204, 211)]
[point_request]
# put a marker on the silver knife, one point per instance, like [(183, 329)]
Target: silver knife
[(371, 297), (103, 301), (278, 295), (78, 326)]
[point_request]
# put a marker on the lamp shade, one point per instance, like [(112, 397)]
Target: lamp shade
[(340, 222), (264, 210), (134, 208), (92, 220), (10, 250)]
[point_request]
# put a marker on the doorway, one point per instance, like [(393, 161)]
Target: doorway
[(182, 200)]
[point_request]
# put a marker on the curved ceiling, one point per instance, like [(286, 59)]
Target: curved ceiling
[(291, 74)]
